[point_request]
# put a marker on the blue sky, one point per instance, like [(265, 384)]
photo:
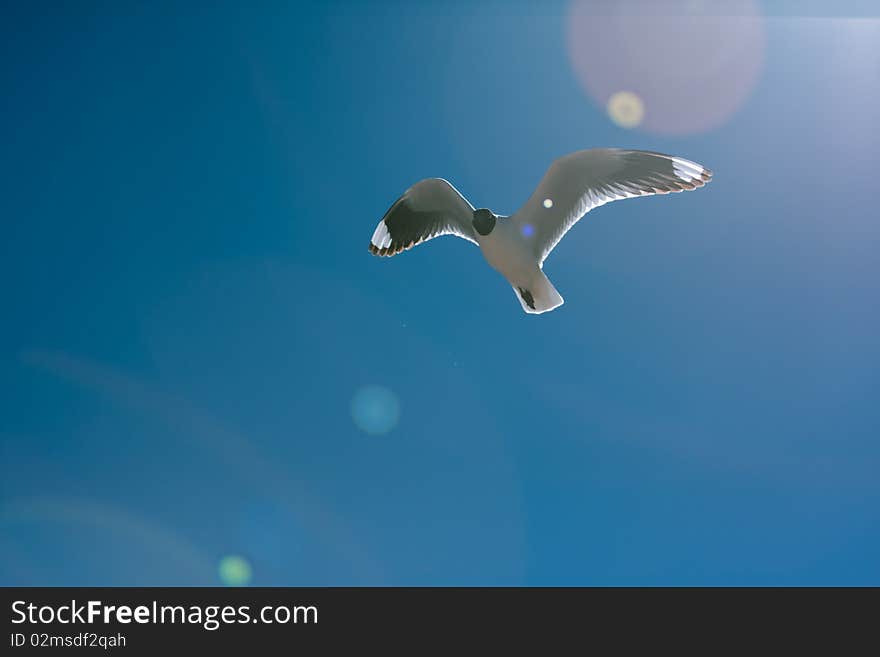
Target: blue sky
[(190, 308)]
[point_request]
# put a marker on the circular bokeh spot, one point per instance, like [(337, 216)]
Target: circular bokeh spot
[(375, 409), (626, 109), (691, 64), (234, 571)]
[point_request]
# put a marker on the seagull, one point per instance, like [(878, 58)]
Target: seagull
[(517, 245)]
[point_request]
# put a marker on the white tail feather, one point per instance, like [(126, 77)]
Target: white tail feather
[(539, 296)]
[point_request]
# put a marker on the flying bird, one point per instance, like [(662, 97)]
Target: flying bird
[(517, 245)]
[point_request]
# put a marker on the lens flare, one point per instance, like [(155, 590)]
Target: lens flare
[(375, 409), (234, 571), (626, 109), (684, 66)]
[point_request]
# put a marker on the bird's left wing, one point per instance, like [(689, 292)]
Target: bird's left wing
[(430, 208), (581, 181)]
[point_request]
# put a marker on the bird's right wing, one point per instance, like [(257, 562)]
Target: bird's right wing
[(581, 181), (430, 208)]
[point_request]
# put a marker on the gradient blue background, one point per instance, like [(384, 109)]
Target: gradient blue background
[(188, 308)]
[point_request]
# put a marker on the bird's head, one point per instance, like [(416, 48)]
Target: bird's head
[(484, 221)]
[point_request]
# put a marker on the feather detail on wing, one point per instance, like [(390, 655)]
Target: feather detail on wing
[(582, 181), (430, 208)]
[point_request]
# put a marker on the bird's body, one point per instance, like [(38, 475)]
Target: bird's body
[(508, 253), (517, 246)]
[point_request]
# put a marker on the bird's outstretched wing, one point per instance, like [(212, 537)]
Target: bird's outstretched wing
[(581, 181), (430, 208)]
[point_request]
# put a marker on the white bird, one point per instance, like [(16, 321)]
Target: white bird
[(516, 246)]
